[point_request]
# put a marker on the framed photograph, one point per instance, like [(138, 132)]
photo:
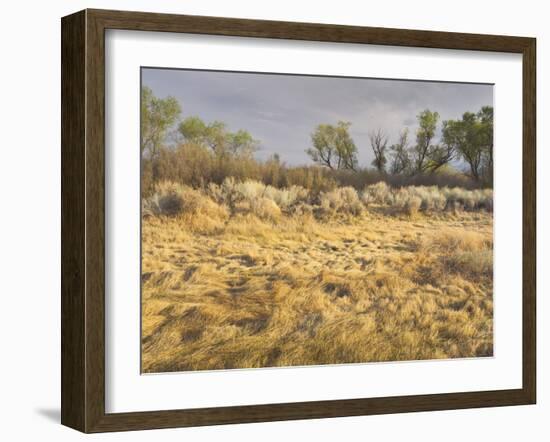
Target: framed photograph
[(267, 220)]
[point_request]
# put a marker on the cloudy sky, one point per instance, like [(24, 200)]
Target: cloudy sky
[(281, 111)]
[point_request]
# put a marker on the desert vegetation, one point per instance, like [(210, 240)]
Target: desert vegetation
[(249, 263)]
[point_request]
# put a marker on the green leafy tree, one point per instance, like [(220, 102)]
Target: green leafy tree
[(420, 153), (242, 143), (472, 137), (442, 153), (157, 116), (345, 147), (323, 151), (485, 116), (217, 137), (193, 130), (470, 146), (333, 146)]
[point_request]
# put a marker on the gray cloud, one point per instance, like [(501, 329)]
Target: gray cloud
[(282, 110)]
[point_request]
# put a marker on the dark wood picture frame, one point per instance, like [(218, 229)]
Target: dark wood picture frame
[(83, 216)]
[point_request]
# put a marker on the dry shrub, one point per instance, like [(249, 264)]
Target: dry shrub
[(439, 202), (468, 199), (341, 200), (413, 204), (485, 199), (401, 196), (262, 207), (232, 192), (303, 210), (378, 193), (288, 197), (172, 199), (432, 198), (215, 192), (250, 196), (249, 189), (313, 178)]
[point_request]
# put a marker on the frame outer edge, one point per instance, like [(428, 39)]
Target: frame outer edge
[(73, 255), (95, 222), (529, 220), (197, 24), (83, 217)]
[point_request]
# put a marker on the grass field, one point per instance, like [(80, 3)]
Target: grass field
[(228, 288)]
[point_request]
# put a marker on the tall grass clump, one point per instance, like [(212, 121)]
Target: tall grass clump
[(462, 252)]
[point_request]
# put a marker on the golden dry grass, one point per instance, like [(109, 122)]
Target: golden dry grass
[(223, 292)]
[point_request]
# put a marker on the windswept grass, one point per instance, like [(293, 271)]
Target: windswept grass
[(243, 275)]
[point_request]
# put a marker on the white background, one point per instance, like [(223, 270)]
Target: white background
[(128, 391), (30, 218)]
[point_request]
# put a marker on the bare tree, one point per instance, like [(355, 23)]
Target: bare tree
[(401, 160), (379, 144)]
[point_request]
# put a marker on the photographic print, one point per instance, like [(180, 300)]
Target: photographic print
[(298, 220)]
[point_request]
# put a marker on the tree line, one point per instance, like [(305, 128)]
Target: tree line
[(206, 151), (159, 115), (469, 139)]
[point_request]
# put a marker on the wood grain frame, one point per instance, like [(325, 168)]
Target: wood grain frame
[(83, 217)]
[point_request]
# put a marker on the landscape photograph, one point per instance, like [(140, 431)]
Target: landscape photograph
[(304, 220)]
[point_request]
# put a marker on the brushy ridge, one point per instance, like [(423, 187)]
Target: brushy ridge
[(267, 202)]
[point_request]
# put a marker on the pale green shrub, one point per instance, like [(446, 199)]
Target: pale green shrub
[(401, 196), (269, 202), (366, 198), (341, 199), (413, 205), (232, 192), (377, 193), (172, 199), (262, 207), (288, 197), (250, 189), (215, 192), (485, 200), (414, 202), (303, 209)]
